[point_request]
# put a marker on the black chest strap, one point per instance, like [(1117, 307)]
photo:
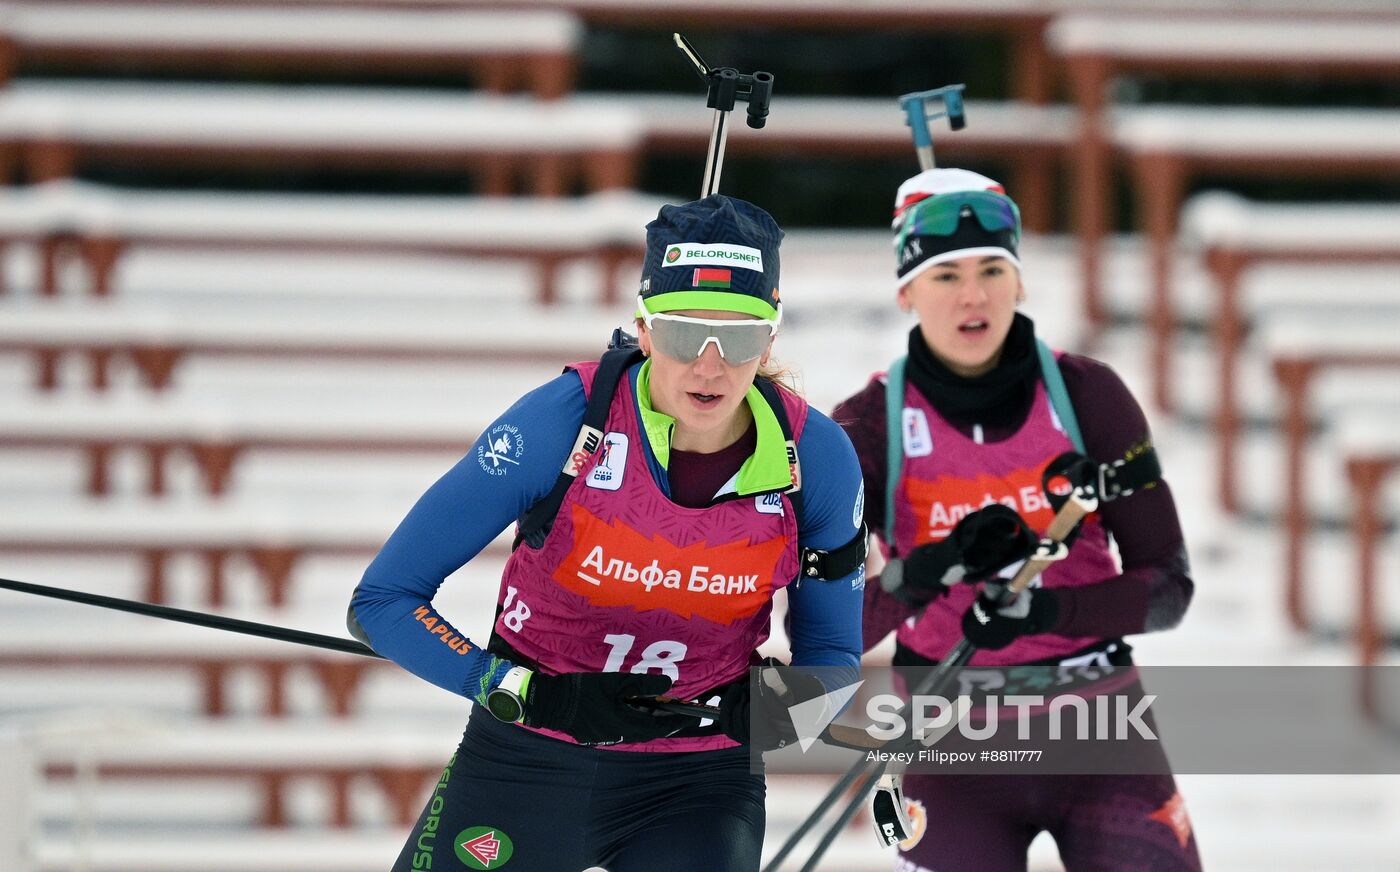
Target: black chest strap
[(534, 526), (815, 563)]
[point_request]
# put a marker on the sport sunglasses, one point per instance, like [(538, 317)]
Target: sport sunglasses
[(939, 214), (684, 338)]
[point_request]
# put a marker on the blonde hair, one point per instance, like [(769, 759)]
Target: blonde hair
[(789, 377)]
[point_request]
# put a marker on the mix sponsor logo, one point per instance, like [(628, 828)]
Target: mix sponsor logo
[(483, 848), (610, 564), (918, 441), (714, 254), (439, 627), (427, 836), (612, 463), (587, 442), (500, 449), (946, 500)]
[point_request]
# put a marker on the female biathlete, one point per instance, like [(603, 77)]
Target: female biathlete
[(979, 409), (663, 496)]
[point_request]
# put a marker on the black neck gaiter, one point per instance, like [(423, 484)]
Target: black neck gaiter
[(997, 400)]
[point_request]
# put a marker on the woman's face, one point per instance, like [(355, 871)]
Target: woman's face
[(704, 395), (965, 307)]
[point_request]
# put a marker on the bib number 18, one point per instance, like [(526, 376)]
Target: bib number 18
[(661, 656)]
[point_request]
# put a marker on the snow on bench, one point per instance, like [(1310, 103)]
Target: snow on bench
[(1235, 234), (501, 48), (214, 436), (401, 763), (1302, 343), (1098, 45), (607, 228), (271, 536), (53, 126), (1167, 146), (218, 658), (1033, 138), (156, 339), (1370, 437), (1135, 41)]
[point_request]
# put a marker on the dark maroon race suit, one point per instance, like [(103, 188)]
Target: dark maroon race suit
[(967, 440)]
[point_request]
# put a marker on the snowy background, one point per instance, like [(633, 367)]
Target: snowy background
[(109, 761)]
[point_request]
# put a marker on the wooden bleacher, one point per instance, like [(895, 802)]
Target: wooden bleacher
[(51, 129), (1034, 140), (1168, 147), (214, 436), (502, 49), (214, 659), (1096, 46), (155, 340), (400, 763), (270, 537), (99, 223), (1372, 456), (1235, 235), (1302, 349), (134, 333)]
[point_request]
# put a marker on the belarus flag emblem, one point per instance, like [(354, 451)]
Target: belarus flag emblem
[(710, 278)]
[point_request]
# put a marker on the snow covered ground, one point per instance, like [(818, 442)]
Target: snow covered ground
[(841, 326)]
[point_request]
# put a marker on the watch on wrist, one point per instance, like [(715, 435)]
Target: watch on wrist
[(506, 701)]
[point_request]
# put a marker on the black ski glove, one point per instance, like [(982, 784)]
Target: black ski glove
[(755, 710), (592, 707), (982, 543), (990, 627)]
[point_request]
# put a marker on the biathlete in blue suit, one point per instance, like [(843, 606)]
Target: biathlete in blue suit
[(703, 489)]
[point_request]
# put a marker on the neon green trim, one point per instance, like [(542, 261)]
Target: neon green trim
[(722, 301), (489, 678), (656, 425), (765, 470)]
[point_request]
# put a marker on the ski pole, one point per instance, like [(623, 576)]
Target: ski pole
[(917, 115), (198, 619), (726, 85), (1083, 500)]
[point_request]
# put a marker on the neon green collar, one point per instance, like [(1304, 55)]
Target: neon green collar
[(765, 470)]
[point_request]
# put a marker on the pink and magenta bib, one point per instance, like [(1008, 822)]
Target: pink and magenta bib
[(629, 581), (946, 475)]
